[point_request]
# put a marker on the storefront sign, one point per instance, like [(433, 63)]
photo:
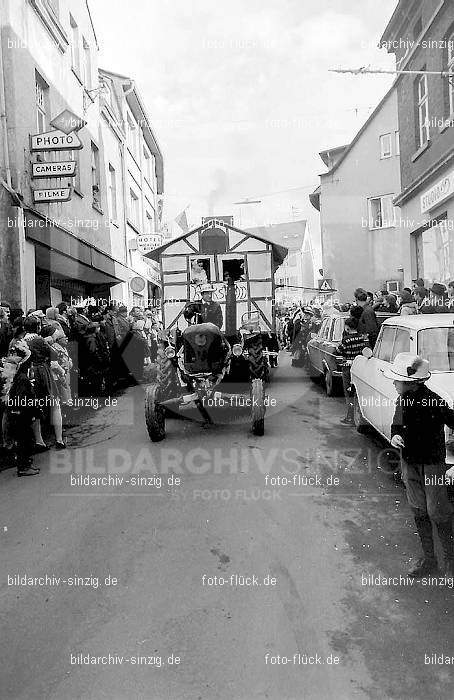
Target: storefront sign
[(59, 194), (55, 141), (147, 243), (438, 193), (64, 168), (67, 121)]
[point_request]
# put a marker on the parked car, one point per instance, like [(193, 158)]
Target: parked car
[(429, 335), (322, 360)]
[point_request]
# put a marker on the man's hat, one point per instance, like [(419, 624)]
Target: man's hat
[(408, 368), (438, 289), (206, 288)]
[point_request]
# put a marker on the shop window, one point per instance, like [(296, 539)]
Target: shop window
[(436, 254)]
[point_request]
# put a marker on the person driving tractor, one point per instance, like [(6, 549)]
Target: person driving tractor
[(206, 310)]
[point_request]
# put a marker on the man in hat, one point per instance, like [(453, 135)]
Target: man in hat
[(439, 299), (210, 311), (418, 432), (421, 296)]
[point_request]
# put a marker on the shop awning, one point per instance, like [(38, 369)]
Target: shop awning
[(64, 254)]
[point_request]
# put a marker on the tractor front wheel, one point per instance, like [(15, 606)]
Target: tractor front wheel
[(154, 414), (258, 407)]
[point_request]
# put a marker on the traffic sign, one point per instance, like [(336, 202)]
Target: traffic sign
[(55, 141), (57, 194), (325, 285), (68, 121), (63, 168)]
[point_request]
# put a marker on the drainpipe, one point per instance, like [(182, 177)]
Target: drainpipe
[(4, 127), (8, 184)]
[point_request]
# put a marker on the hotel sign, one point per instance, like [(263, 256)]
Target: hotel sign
[(57, 194), (147, 243), (63, 168), (438, 193), (55, 141)]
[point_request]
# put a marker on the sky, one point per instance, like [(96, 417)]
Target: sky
[(240, 95)]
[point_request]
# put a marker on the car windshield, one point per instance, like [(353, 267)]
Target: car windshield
[(437, 346)]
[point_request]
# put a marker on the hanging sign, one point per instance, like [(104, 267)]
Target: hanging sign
[(57, 194), (68, 121), (55, 141), (64, 168), (147, 243)]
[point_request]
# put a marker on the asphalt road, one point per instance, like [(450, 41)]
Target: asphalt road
[(232, 584)]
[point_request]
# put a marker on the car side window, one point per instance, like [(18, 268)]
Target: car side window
[(386, 345), (323, 327), (401, 342), (337, 332), (327, 333)]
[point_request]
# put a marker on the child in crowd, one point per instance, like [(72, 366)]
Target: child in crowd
[(352, 344)]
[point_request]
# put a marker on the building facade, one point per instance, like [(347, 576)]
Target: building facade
[(134, 175), (66, 248), (363, 242), (421, 35)]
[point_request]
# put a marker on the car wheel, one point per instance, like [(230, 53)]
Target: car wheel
[(358, 419), (329, 383)]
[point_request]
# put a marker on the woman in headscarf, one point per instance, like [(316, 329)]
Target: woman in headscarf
[(51, 319), (44, 382)]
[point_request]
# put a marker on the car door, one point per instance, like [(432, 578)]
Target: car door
[(325, 344), (371, 386), (315, 345), (386, 386)]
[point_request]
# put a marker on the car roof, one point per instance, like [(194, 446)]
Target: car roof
[(419, 321)]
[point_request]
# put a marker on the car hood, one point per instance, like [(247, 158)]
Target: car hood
[(442, 383)]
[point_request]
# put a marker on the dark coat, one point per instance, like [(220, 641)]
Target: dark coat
[(6, 334), (419, 419), (368, 324)]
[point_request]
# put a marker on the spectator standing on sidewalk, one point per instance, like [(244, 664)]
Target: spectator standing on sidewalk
[(418, 432), (352, 345), (408, 306), (368, 320), (19, 418)]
